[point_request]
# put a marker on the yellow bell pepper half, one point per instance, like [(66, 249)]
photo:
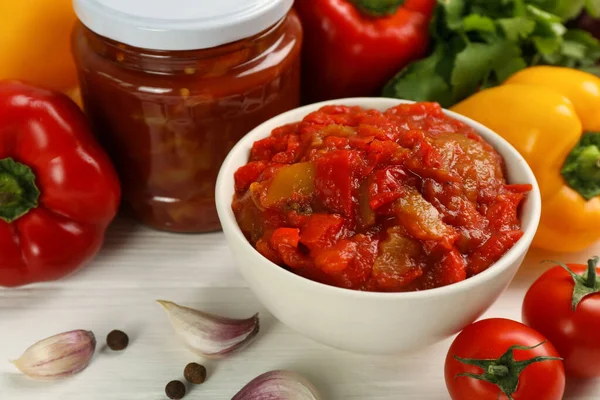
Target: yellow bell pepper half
[(35, 43), (551, 115)]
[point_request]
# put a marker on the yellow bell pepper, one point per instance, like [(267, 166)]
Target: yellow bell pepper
[(551, 115), (35, 43)]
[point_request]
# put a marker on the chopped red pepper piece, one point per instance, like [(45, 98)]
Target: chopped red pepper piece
[(321, 230), (248, 174), (285, 236), (385, 186), (492, 250), (451, 269), (334, 181)]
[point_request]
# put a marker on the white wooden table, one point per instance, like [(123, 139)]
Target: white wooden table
[(138, 266)]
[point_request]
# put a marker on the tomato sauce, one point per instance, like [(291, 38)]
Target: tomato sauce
[(169, 118), (401, 200)]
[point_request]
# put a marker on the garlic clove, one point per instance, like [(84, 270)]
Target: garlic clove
[(278, 385), (210, 335), (58, 356)]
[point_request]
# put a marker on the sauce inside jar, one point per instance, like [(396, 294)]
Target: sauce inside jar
[(169, 117)]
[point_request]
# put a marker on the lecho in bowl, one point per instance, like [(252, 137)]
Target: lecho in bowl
[(376, 225)]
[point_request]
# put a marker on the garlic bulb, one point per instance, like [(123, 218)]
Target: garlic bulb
[(278, 385), (58, 356), (210, 335)]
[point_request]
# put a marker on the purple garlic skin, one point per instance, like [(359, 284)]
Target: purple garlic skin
[(58, 356), (211, 335), (278, 385)]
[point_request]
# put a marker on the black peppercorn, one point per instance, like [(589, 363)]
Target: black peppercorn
[(175, 390), (195, 373), (117, 340)]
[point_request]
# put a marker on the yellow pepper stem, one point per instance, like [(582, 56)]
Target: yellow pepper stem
[(582, 168)]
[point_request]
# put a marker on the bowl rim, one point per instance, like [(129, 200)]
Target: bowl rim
[(228, 220)]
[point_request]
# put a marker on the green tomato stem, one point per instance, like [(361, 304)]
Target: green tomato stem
[(592, 275), (583, 285), (498, 370), (505, 371)]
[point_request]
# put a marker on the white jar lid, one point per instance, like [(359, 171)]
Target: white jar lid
[(179, 24)]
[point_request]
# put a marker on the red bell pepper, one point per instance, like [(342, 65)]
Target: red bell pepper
[(58, 189), (352, 48)]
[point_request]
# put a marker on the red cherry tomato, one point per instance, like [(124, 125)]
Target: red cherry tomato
[(549, 309), (503, 359)]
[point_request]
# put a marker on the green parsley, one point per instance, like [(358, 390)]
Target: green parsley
[(480, 43)]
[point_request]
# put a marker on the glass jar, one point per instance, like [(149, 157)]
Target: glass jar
[(168, 115)]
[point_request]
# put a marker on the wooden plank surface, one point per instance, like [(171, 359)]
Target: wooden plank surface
[(138, 266)]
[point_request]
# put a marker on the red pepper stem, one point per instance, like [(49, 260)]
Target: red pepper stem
[(9, 190), (378, 8), (18, 192)]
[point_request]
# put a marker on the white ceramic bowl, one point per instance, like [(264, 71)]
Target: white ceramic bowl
[(366, 322)]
